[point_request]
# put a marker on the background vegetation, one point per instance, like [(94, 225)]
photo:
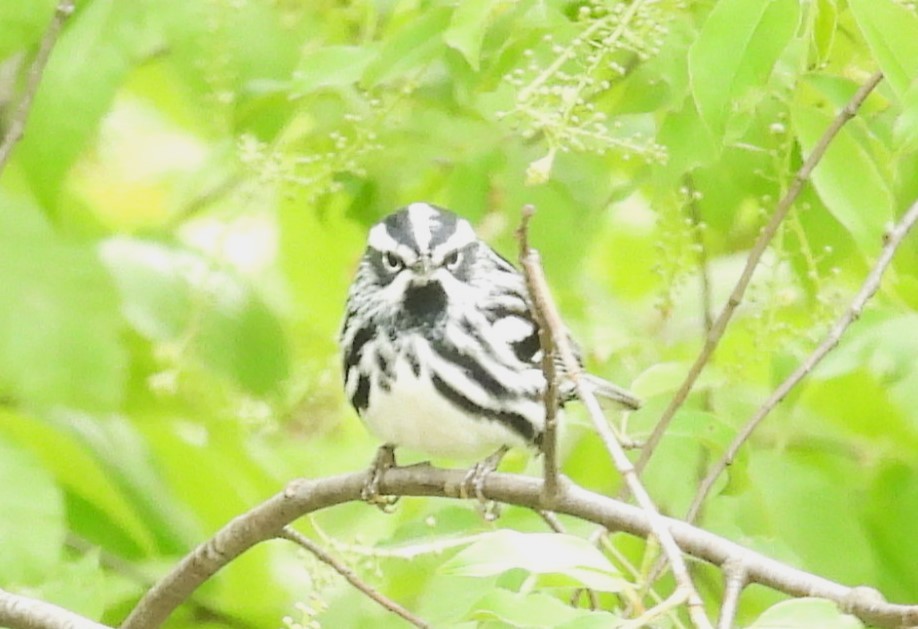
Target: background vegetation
[(180, 223)]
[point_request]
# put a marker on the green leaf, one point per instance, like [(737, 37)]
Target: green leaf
[(798, 512), (467, 28), (905, 129), (890, 506), (59, 323), (825, 27), (883, 343), (532, 610), (32, 528), (168, 292), (80, 474), (805, 613), (415, 44), (331, 66), (890, 30), (687, 140), (243, 339), (539, 553), (658, 379), (154, 294), (125, 453), (336, 244), (847, 179), (738, 45), (22, 23), (78, 586), (75, 94)]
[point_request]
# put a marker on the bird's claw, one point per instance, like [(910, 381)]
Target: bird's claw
[(384, 460), (473, 484)]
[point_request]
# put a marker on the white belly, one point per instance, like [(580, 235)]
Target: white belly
[(412, 414)]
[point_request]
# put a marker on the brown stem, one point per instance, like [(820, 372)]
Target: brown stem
[(350, 576), (17, 124)]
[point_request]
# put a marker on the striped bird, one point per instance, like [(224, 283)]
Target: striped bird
[(439, 345)]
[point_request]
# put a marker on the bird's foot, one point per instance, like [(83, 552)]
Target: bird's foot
[(384, 460), (473, 484)]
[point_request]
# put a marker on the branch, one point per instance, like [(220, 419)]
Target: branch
[(18, 122), (303, 496), (350, 576), (893, 239), (734, 584), (720, 324), (556, 336), (538, 292), (20, 612)]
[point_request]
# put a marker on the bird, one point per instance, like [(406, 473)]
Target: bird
[(440, 347)]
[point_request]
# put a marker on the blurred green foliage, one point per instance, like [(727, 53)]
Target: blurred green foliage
[(180, 223)]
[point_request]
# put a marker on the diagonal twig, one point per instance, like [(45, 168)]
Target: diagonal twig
[(350, 576), (20, 116), (893, 239), (672, 602), (554, 328), (758, 249)]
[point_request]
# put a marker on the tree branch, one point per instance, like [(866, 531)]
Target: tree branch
[(266, 521), (21, 612), (736, 296), (21, 115), (350, 576), (893, 239)]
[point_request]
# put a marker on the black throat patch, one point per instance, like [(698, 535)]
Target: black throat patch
[(424, 303)]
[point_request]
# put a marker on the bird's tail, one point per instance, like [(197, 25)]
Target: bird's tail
[(617, 394)]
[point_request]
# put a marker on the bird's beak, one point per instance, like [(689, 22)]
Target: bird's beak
[(422, 267)]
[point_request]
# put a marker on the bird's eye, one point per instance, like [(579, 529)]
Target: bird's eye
[(451, 262), (391, 261)]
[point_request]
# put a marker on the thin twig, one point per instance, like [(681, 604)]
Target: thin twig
[(720, 324), (304, 496), (669, 604), (893, 239), (350, 576), (18, 121), (632, 571), (547, 313), (734, 584), (537, 287), (551, 520)]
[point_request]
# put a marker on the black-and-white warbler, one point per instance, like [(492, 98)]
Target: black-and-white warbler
[(440, 349)]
